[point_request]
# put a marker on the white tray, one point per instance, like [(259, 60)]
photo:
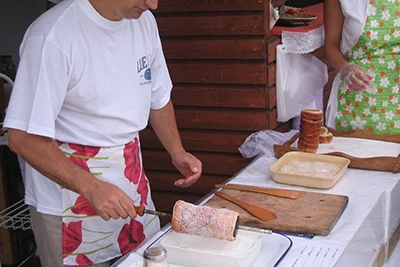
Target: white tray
[(273, 248), (197, 251)]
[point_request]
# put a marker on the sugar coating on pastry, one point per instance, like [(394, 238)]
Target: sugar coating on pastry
[(204, 221)]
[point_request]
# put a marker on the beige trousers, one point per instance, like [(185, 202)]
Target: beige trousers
[(48, 236)]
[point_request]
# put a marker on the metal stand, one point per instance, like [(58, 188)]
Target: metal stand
[(16, 217)]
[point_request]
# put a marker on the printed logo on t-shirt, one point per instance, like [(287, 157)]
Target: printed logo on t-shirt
[(144, 70)]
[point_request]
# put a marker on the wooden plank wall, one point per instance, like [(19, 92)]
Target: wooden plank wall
[(223, 78)]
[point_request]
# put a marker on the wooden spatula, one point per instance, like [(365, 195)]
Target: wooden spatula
[(256, 211), (256, 189)]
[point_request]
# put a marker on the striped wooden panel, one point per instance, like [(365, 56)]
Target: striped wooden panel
[(223, 96), (224, 24), (191, 48), (172, 6), (200, 140), (218, 72), (222, 119)]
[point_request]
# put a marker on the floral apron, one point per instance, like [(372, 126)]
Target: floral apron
[(376, 109), (87, 239)]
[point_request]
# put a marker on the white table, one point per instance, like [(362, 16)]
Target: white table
[(361, 233)]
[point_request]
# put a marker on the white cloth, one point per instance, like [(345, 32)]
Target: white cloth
[(86, 80), (303, 42), (299, 78), (355, 14)]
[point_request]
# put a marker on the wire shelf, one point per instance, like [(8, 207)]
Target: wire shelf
[(16, 216)]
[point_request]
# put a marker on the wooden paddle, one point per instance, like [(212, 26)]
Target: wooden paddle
[(256, 211), (256, 189)]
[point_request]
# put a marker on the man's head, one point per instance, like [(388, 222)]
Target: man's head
[(123, 9)]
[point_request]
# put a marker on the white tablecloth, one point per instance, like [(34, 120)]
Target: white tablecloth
[(366, 190)]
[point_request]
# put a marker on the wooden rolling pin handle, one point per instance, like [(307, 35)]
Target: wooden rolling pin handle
[(139, 210)]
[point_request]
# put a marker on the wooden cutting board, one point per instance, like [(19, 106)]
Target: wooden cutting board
[(313, 213)]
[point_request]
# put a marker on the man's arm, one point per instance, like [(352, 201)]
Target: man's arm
[(164, 124), (44, 155)]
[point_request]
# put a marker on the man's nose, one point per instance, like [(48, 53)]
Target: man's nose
[(153, 4)]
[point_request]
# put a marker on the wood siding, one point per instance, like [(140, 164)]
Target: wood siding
[(222, 66)]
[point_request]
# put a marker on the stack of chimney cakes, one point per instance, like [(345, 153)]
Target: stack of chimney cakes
[(310, 124)]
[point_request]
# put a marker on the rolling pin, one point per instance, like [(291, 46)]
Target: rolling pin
[(140, 210)]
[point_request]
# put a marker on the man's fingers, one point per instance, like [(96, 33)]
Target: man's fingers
[(119, 209), (128, 206), (182, 183), (105, 216), (113, 214)]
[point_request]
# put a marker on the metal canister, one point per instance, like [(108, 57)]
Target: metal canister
[(155, 257)]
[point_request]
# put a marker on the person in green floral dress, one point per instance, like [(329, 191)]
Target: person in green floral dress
[(368, 95)]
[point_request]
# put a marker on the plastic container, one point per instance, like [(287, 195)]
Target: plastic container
[(323, 182), (195, 251)]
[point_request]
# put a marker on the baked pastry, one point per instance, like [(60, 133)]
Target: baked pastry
[(204, 221), (325, 137), (310, 123)]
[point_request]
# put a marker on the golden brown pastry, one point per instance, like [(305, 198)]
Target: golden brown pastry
[(204, 221)]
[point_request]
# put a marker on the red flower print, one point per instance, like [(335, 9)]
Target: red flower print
[(87, 151), (132, 161), (82, 260), (82, 206), (71, 237), (131, 236), (143, 189)]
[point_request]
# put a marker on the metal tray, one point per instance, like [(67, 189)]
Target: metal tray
[(274, 247)]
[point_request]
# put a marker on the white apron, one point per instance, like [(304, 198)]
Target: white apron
[(87, 238)]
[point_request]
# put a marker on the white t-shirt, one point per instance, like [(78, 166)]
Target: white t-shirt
[(87, 80)]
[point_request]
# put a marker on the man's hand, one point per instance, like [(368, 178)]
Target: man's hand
[(110, 202), (189, 166)]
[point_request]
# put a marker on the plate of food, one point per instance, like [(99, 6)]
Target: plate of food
[(294, 13)]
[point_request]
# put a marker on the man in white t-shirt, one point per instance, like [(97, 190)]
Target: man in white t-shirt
[(91, 75)]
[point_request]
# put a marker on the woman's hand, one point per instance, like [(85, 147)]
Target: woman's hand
[(189, 166), (355, 78)]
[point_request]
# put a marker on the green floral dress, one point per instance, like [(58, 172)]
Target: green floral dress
[(376, 109)]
